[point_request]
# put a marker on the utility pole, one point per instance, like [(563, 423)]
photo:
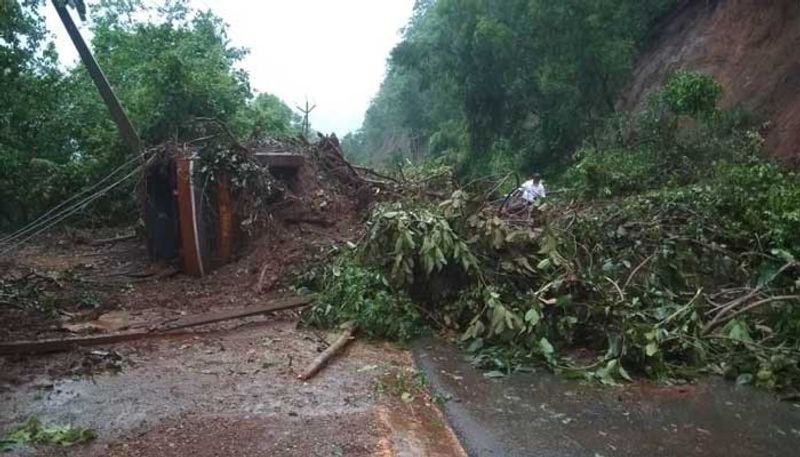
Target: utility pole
[(124, 124), (306, 111)]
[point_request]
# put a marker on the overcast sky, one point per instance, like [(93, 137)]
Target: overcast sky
[(333, 51)]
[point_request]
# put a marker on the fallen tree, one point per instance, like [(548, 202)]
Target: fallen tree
[(654, 263)]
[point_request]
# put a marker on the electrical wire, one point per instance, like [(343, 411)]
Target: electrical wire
[(74, 209), (47, 216)]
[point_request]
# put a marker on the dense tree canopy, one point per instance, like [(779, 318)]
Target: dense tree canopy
[(168, 65), (519, 82)]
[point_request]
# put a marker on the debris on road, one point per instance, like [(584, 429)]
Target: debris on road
[(161, 329), (329, 353), (108, 322)]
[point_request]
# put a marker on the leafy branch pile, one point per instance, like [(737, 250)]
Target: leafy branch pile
[(697, 273), (224, 159)]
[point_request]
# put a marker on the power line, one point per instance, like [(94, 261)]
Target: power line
[(48, 215), (61, 216)]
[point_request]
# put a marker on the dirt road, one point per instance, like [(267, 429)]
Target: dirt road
[(232, 391), (227, 389)]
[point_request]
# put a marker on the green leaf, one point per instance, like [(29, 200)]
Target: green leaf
[(738, 330), (532, 316), (546, 348), (651, 349), (624, 373), (784, 255)]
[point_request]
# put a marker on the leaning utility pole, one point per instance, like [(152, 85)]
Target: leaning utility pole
[(306, 111), (124, 124)]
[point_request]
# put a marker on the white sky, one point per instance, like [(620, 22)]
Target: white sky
[(333, 51)]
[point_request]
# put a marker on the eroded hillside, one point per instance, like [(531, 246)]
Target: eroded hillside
[(751, 46)]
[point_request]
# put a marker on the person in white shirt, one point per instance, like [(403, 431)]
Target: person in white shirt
[(527, 195), (532, 189)]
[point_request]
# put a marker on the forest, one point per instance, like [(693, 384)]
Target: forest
[(509, 85)]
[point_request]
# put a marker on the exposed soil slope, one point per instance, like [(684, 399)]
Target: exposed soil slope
[(751, 46)]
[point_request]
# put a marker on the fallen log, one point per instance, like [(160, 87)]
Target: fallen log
[(68, 344), (327, 354), (210, 318), (159, 330)]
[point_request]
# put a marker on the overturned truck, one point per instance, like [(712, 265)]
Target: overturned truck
[(202, 204)]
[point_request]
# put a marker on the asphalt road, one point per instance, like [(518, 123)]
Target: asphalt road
[(539, 414)]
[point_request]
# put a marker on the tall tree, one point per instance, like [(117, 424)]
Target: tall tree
[(527, 79)]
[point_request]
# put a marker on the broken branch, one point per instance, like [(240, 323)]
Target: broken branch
[(327, 354)]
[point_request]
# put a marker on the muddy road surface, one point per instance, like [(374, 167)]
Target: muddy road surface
[(231, 391)]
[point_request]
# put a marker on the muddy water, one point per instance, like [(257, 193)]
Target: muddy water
[(543, 415)]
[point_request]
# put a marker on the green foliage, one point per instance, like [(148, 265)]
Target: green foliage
[(535, 77), (34, 432), (353, 293), (420, 244), (270, 117), (168, 64), (407, 385), (673, 253), (659, 147), (692, 93)]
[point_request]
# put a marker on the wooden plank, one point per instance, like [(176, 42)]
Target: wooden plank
[(68, 344), (210, 318), (159, 330)]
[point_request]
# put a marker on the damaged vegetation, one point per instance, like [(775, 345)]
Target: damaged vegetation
[(670, 251)]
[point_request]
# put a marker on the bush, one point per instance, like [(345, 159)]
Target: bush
[(350, 292), (656, 148), (600, 174), (691, 93)]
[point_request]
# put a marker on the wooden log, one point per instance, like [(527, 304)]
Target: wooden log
[(68, 344), (210, 318), (158, 330), (327, 354)]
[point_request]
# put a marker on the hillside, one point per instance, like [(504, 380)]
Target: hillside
[(750, 47)]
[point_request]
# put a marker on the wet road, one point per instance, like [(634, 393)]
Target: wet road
[(543, 415)]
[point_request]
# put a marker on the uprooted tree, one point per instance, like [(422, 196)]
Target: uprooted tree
[(673, 251)]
